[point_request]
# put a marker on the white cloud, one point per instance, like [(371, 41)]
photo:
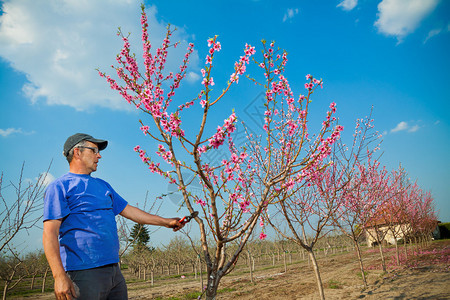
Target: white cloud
[(59, 44), (436, 32), (400, 17), (46, 178), (9, 131), (414, 128), (192, 77), (432, 33), (290, 14), (404, 126), (400, 127), (348, 4)]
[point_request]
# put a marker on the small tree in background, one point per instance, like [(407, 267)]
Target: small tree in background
[(22, 211), (139, 236), (18, 213)]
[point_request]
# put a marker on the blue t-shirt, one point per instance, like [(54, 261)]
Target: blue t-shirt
[(88, 233)]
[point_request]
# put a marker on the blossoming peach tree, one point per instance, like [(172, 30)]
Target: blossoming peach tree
[(237, 189)]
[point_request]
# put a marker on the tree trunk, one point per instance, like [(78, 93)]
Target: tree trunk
[(212, 285), (32, 281), (250, 266), (405, 250), (361, 266), (5, 289), (317, 273), (152, 277), (201, 273), (44, 279), (397, 253), (383, 262)]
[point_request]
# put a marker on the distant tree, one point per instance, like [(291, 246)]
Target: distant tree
[(11, 270), (19, 212), (35, 263), (20, 207), (139, 236)]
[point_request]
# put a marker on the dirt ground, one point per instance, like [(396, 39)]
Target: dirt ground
[(425, 275)]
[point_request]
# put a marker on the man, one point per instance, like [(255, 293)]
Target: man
[(80, 233)]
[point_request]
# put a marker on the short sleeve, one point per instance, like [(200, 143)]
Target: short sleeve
[(119, 203), (55, 202)]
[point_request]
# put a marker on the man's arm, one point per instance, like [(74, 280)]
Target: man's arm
[(139, 216), (63, 285)]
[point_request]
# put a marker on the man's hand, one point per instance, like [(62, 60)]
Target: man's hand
[(175, 224), (64, 288)]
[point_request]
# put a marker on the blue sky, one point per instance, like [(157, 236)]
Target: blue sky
[(392, 54)]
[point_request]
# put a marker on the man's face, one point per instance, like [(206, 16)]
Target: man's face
[(89, 157)]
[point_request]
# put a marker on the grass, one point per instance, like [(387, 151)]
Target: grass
[(192, 295), (334, 284), (359, 274), (226, 290), (195, 295)]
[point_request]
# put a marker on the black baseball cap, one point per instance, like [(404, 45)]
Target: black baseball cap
[(78, 137)]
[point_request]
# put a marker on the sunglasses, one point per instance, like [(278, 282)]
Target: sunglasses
[(95, 150)]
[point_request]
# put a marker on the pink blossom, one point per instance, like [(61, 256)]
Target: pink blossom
[(234, 78), (333, 107), (249, 50), (244, 59), (201, 202), (144, 129), (244, 206), (201, 149), (262, 236), (309, 86), (217, 46)]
